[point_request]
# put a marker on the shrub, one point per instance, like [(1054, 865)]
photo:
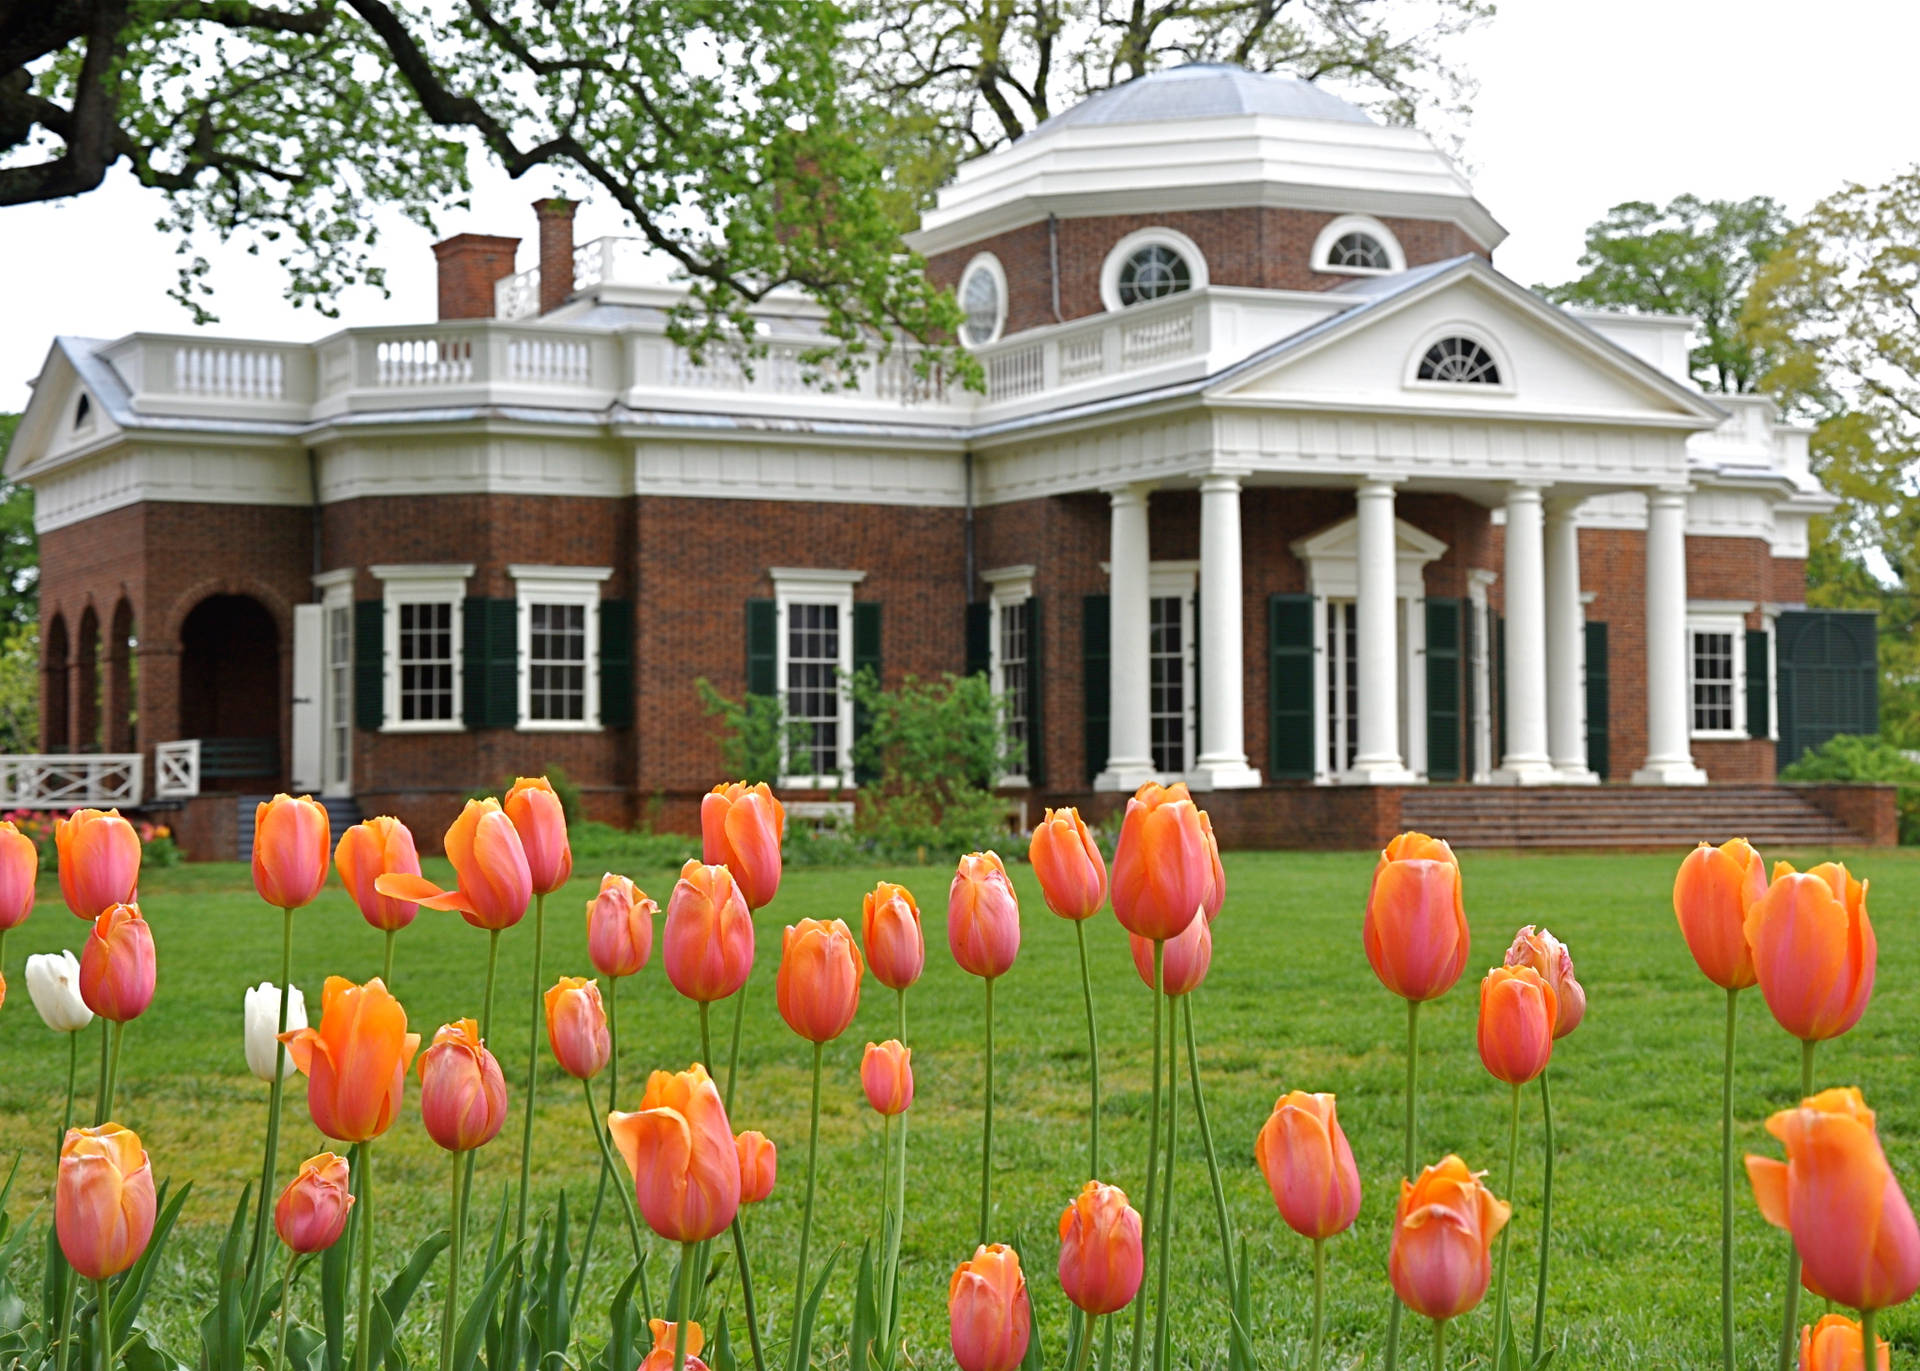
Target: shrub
[(565, 789), (932, 752), (1868, 758), (754, 733)]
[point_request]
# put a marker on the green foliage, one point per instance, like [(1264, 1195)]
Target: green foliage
[(565, 789), (606, 848), (19, 549), (754, 734), (20, 687), (1867, 758), (933, 751)]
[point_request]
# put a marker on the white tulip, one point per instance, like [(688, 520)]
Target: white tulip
[(53, 983), (263, 1026)]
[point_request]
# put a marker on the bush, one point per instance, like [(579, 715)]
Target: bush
[(754, 734), (565, 789), (1866, 758), (934, 751)]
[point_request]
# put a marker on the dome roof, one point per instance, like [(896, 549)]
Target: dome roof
[(1204, 90)]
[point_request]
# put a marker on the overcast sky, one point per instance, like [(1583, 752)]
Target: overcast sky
[(1580, 106)]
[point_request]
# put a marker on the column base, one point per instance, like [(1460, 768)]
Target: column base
[(1230, 773), (1678, 771), (1387, 771), (1574, 773), (1525, 771), (1126, 774)]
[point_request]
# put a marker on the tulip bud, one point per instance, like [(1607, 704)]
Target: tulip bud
[(103, 1202), (577, 1027), (1549, 956), (983, 916), (741, 827), (117, 965), (620, 927), (1517, 1015), (19, 868), (1067, 861), (1303, 1153), (463, 1096), (988, 1315), (707, 944), (261, 1018), (311, 1213), (1443, 1232), (490, 869), (1101, 1258), (886, 1074), (356, 1060), (1162, 871), (759, 1164), (682, 1156), (818, 985), (1711, 896), (665, 1335), (53, 984), (1185, 959), (99, 860), (291, 844), (378, 847), (890, 927), (541, 823), (1814, 952), (1836, 1343), (1416, 925)]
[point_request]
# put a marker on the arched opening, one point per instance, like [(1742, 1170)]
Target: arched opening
[(230, 691), (55, 735), (121, 710), (86, 684)]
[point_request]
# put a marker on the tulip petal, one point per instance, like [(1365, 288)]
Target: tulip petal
[(1769, 1179)]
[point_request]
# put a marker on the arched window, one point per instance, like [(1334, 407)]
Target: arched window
[(1455, 360), (983, 300), (1358, 251), (1152, 273)]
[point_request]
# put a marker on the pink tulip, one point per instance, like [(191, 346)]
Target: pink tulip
[(983, 916)]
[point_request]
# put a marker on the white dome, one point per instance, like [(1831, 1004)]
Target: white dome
[(1204, 90)]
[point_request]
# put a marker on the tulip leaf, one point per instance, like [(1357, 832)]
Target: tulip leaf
[(336, 1279), (553, 1316), (802, 1350), (619, 1353), (474, 1324), (398, 1295), (719, 1355), (53, 1282), (865, 1317), (132, 1291)]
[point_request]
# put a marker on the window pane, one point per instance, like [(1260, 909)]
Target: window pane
[(1713, 703), (426, 661), (813, 687), (556, 657), (1016, 679), (1167, 683)]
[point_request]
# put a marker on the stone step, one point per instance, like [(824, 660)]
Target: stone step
[(1621, 817)]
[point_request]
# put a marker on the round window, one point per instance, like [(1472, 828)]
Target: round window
[(982, 306), (1152, 273), (1359, 252)]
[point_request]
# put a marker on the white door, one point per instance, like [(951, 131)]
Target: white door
[(337, 702), (306, 698)]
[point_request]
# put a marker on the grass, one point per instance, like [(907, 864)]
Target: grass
[(1290, 1003)]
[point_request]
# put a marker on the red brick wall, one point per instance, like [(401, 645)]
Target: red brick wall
[(469, 264), (1266, 248)]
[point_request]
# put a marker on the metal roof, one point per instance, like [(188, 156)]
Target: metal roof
[(1205, 90)]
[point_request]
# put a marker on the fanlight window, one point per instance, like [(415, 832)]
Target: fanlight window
[(981, 304), (1461, 362), (1152, 273), (1359, 252)]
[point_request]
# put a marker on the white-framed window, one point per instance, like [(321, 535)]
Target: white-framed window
[(424, 646), (1717, 674), (983, 300), (1171, 690), (1357, 245), (558, 646), (1150, 265), (1010, 664), (336, 684), (1458, 360), (813, 663)]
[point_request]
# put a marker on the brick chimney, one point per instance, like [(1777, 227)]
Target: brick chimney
[(556, 251), (469, 265)]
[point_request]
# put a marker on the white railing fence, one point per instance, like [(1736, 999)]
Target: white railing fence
[(176, 769), (71, 781)]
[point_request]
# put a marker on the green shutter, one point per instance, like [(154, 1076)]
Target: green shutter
[(1036, 698), (866, 657), (1290, 687), (1096, 651), (490, 673), (979, 659), (369, 679), (1471, 762), (1443, 688), (1598, 761), (1759, 684), (616, 663), (763, 635), (1828, 677)]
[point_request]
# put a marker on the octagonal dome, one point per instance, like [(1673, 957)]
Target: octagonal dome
[(1204, 90)]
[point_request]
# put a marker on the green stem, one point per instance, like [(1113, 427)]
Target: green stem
[(486, 1029), (1107, 1362), (613, 1102), (102, 1326), (1093, 1057), (706, 1038), (457, 1226), (1869, 1354), (890, 1272), (606, 1160), (680, 1306), (386, 961), (1084, 1356), (66, 1318), (1506, 1230), (1161, 1349), (886, 1173), (806, 1212), (286, 1312), (1546, 1222), (364, 1351), (1206, 1144), (66, 1117), (1396, 1309), (276, 1091), (733, 1053), (533, 1063), (1790, 1306), (100, 1095), (1439, 1344), (1319, 1300), (746, 1292), (1726, 1189), (1153, 1155), (115, 1032), (986, 1142)]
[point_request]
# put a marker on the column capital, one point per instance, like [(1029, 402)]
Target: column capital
[(1130, 493), (1525, 492), (1376, 487), (1223, 479), (1561, 504), (1668, 497)]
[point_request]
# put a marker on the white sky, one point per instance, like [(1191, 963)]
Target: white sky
[(1580, 107)]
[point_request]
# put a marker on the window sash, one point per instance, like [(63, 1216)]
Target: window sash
[(557, 662), (426, 660), (1715, 697), (815, 638)]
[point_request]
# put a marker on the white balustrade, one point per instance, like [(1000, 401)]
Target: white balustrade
[(71, 780), (230, 371), (1018, 373), (176, 769), (549, 361), (434, 360)]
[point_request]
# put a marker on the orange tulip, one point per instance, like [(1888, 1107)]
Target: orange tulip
[(708, 942), (886, 1074), (493, 882), (577, 1027), (685, 1163), (1442, 1235), (1549, 956), (988, 1315), (1711, 895), (356, 1060), (1303, 1153), (1217, 882), (368, 851), (19, 868), (1161, 868), (665, 1334), (983, 916), (890, 927), (1416, 926), (1517, 1015), (103, 1202), (1835, 1344), (463, 1096), (117, 967), (311, 1213), (818, 986), (291, 844), (1813, 949), (1067, 861), (740, 828), (1186, 959), (1101, 1258), (619, 927), (1839, 1199), (541, 823), (99, 860), (759, 1164)]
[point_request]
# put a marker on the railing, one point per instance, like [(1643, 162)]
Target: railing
[(71, 780), (176, 769), (239, 757), (1103, 346)]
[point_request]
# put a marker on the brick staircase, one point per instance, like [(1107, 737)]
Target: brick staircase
[(342, 814), (1621, 816)]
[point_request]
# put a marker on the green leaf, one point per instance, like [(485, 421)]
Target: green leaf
[(398, 1295), (336, 1271), (719, 1355), (620, 1353), (479, 1316), (802, 1358), (866, 1318), (132, 1290)]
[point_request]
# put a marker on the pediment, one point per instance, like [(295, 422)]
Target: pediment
[(64, 415), (1343, 540)]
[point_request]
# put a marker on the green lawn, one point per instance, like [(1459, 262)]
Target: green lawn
[(1290, 1003)]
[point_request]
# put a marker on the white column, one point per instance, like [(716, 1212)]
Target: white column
[(1129, 761), (1669, 675), (1527, 761), (1377, 637), (1566, 647), (1222, 764)]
